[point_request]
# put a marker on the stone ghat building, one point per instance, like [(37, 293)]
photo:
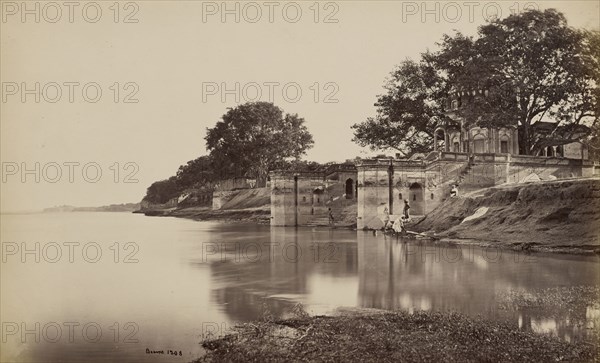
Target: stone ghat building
[(471, 157), (362, 192), (304, 198)]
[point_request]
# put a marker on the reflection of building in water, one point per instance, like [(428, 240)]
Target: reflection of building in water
[(387, 273), (398, 275), (567, 324), (411, 276)]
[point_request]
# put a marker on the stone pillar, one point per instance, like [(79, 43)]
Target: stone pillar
[(446, 141), (374, 192), (283, 199)]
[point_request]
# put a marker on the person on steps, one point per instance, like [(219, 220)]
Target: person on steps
[(454, 191), (406, 208), (330, 215)]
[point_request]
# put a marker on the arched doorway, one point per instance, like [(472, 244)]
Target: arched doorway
[(316, 196), (439, 140), (417, 205), (456, 144), (349, 188), (479, 144), (504, 145)]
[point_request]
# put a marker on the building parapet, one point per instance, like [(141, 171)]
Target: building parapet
[(544, 160), (453, 156), (234, 184), (374, 163), (491, 157)]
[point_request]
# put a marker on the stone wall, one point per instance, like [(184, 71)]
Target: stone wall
[(235, 184), (283, 199), (575, 150), (304, 198), (312, 198), (383, 184), (221, 197), (373, 191), (531, 168)]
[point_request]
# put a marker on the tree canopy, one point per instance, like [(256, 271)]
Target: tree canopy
[(532, 66), (406, 115), (254, 137), (249, 141), (198, 173)]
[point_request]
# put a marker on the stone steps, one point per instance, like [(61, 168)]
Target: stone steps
[(316, 222)]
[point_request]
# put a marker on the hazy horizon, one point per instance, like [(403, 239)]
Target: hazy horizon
[(172, 59)]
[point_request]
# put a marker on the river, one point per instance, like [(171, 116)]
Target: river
[(124, 287)]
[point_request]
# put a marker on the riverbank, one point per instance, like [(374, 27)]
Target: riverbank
[(245, 205), (558, 216), (259, 215), (373, 335)]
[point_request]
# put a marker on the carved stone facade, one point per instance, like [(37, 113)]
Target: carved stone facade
[(304, 198), (384, 184)]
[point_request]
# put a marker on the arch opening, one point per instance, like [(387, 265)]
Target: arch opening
[(417, 201), (349, 188)]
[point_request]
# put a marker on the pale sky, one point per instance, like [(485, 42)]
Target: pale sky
[(174, 52)]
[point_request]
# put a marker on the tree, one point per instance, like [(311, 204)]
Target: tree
[(407, 114), (162, 191), (534, 67), (254, 137), (196, 173), (517, 71)]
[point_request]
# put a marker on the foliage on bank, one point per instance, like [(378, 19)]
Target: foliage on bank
[(392, 337), (248, 142)]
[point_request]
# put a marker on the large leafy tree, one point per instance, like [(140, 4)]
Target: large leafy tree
[(407, 114), (518, 71), (534, 67), (254, 137)]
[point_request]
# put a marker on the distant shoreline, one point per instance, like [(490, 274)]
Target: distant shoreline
[(124, 207)]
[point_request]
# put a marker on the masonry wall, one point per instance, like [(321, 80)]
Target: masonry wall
[(385, 183), (310, 204), (530, 168), (373, 193), (574, 150), (221, 197), (410, 180), (300, 199), (440, 176), (283, 202)]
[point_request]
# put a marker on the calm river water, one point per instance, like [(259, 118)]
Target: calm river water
[(123, 287)]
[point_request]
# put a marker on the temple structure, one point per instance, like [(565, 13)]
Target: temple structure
[(368, 191)]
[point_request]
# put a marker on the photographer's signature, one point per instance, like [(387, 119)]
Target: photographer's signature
[(165, 352)]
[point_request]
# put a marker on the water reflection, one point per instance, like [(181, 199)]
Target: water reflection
[(325, 269), (192, 276)]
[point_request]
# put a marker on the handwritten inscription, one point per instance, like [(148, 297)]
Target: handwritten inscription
[(165, 352)]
